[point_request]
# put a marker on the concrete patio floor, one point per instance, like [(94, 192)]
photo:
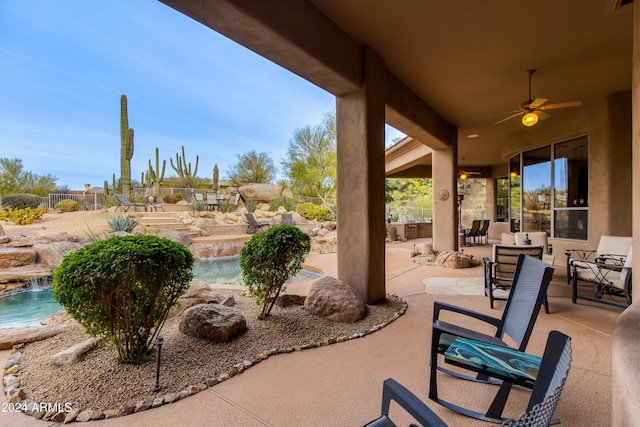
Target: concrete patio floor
[(341, 384)]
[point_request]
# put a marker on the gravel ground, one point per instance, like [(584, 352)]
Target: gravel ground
[(101, 382)]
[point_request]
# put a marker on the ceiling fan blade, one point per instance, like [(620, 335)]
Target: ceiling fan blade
[(536, 103), (509, 117), (542, 115), (562, 105)]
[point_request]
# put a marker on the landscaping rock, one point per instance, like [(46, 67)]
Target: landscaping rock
[(261, 193), (198, 293), (176, 236), (212, 321), (51, 254), (16, 257), (454, 259), (286, 300), (335, 300), (12, 336), (75, 353)]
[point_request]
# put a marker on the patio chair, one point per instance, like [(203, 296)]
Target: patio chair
[(610, 250), (212, 201), (197, 198), (547, 388), (123, 201), (531, 279), (287, 219), (473, 232), (499, 271), (605, 280), (484, 231), (255, 226)]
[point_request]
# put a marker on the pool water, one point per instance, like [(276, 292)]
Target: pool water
[(27, 308), (227, 271)]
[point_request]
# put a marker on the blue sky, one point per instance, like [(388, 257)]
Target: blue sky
[(65, 63)]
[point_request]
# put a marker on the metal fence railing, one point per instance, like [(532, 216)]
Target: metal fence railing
[(86, 202), (417, 213)]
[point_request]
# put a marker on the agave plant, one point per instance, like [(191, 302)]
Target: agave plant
[(122, 223)]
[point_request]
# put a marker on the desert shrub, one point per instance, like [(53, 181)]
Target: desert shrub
[(271, 258), (67, 205), (21, 201), (172, 198), (286, 202), (122, 223), (21, 216), (111, 200), (312, 211), (121, 289), (251, 206)]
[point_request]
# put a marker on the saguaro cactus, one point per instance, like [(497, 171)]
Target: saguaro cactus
[(126, 148), (183, 169), (154, 176)]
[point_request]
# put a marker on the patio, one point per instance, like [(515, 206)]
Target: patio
[(340, 385)]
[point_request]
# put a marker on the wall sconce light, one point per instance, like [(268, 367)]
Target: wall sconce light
[(530, 119)]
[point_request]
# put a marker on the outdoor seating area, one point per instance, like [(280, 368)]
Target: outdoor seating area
[(335, 376), (478, 232)]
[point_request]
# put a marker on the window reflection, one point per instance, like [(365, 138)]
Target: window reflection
[(514, 187), (536, 190)]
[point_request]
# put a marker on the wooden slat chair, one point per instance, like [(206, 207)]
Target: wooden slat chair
[(473, 232)]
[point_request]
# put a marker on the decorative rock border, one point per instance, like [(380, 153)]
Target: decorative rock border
[(60, 412)]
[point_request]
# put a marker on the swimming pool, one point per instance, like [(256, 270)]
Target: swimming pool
[(27, 308), (227, 271)]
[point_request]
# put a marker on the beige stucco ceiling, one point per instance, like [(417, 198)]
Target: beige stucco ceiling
[(468, 59)]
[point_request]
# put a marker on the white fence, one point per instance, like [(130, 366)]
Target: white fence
[(86, 202), (416, 213)]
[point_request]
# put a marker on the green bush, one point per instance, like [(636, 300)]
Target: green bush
[(121, 289), (172, 198), (271, 258), (122, 223), (21, 201), (67, 205), (251, 206), (21, 216), (312, 211), (287, 203)]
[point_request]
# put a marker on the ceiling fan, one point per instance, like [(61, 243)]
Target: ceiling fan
[(463, 175), (532, 110)]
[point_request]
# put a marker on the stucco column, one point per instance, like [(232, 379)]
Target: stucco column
[(625, 349), (360, 182), (490, 200), (445, 210)]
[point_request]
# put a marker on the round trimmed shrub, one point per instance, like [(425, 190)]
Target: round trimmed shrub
[(21, 201), (67, 205), (121, 289), (271, 258), (312, 211)]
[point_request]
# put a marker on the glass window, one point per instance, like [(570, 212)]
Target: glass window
[(514, 193), (536, 190), (571, 183), (502, 199)]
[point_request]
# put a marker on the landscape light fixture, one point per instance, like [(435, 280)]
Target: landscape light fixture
[(159, 341)]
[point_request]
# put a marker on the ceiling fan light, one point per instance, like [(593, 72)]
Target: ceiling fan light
[(530, 119), (463, 176)]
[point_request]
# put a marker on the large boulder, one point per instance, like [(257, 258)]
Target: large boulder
[(75, 353), (176, 236), (454, 259), (261, 193), (335, 300), (198, 293), (212, 321), (51, 254), (16, 257), (26, 334)]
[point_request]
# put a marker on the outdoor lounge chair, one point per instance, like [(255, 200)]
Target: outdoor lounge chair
[(123, 201), (499, 271), (606, 281), (473, 232), (212, 201), (287, 219), (531, 279), (610, 250), (255, 226), (547, 387), (484, 231)]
